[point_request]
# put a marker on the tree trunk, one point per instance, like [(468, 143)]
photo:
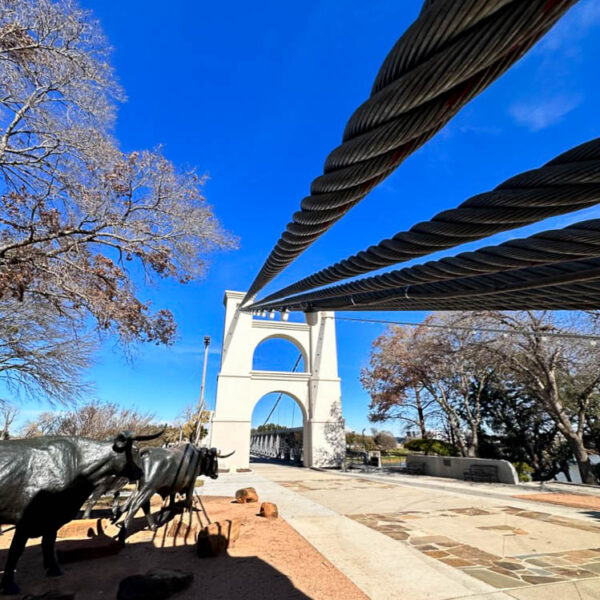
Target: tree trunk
[(421, 416), (574, 439), (584, 465), (582, 457)]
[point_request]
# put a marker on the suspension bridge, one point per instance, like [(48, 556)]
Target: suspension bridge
[(451, 53)]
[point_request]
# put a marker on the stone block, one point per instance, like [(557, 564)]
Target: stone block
[(156, 584), (87, 549), (217, 537), (269, 510), (246, 495)]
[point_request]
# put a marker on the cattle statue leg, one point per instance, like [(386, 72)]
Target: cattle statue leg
[(8, 585), (149, 517), (115, 506), (92, 502), (50, 562), (134, 505)]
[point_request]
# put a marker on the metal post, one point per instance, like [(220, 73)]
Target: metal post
[(201, 403)]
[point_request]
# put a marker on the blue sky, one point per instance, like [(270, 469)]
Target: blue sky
[(256, 95)]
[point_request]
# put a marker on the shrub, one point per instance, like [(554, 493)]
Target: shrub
[(523, 470), (430, 446)]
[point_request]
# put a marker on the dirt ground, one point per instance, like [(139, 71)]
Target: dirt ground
[(573, 500), (268, 561)]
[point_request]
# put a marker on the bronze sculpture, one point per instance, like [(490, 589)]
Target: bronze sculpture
[(169, 471), (45, 482)]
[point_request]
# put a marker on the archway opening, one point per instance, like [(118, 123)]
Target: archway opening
[(278, 354), (277, 432)]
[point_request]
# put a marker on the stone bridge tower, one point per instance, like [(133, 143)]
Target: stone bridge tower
[(317, 391)]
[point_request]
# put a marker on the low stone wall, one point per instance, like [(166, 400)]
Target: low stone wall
[(455, 467)]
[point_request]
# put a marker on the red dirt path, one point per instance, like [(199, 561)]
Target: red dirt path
[(268, 561), (572, 500)]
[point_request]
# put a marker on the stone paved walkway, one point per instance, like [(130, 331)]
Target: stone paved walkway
[(396, 538)]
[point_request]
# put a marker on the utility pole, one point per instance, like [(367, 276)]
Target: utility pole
[(201, 403)]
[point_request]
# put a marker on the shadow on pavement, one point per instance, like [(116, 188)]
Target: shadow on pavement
[(220, 578)]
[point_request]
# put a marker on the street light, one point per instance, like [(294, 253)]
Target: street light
[(201, 403)]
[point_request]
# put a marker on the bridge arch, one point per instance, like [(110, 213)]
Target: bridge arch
[(285, 392), (285, 338), (316, 389), (285, 443)]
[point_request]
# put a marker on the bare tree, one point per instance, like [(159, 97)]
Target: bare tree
[(8, 414), (192, 423), (562, 373), (41, 352), (393, 382), (95, 420), (76, 210), (438, 367)]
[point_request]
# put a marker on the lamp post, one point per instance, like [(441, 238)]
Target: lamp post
[(201, 403)]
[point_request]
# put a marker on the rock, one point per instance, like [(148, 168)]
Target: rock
[(51, 595), (246, 495), (217, 537), (269, 510), (96, 547), (156, 584), (80, 528)]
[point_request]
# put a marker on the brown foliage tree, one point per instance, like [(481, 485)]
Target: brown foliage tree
[(384, 440), (78, 216), (413, 370), (535, 353), (75, 208)]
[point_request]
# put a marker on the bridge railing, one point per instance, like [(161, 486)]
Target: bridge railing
[(283, 444)]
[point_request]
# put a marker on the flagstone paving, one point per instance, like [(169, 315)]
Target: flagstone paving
[(507, 548), (498, 571)]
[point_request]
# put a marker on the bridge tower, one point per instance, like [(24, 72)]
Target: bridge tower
[(317, 391)]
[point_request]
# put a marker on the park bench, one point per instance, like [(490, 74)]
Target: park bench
[(415, 468), (487, 473)]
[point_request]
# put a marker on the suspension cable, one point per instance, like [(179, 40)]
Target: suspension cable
[(578, 241), (567, 183), (451, 53)]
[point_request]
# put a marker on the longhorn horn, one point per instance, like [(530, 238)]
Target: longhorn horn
[(219, 455), (147, 438)]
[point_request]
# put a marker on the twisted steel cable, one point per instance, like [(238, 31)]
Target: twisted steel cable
[(574, 297), (453, 51), (520, 280), (578, 241), (516, 283), (567, 183)]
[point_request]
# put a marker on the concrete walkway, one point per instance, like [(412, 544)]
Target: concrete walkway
[(430, 539)]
